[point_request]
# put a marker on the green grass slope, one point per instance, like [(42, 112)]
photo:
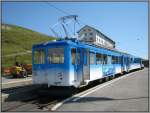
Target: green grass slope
[(15, 39)]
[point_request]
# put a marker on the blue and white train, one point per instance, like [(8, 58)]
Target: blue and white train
[(75, 63)]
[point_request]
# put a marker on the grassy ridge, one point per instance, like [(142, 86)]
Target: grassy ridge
[(17, 39)]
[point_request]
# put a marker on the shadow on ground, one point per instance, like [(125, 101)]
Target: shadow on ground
[(92, 99)]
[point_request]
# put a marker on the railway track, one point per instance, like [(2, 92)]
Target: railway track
[(38, 104), (45, 103)]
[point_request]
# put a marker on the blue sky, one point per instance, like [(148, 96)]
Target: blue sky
[(124, 22)]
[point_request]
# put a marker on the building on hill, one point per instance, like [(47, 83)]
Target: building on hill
[(94, 36)]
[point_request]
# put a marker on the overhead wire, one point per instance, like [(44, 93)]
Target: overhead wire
[(66, 13), (62, 11), (57, 8)]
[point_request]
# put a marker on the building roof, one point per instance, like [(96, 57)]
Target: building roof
[(98, 32)]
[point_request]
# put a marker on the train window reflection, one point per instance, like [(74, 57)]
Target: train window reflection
[(56, 55), (39, 56)]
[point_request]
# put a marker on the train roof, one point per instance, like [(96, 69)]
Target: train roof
[(82, 44)]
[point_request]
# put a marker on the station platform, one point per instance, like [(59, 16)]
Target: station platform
[(126, 93), (16, 88), (9, 82)]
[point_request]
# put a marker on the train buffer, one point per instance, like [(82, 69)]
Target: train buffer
[(126, 93)]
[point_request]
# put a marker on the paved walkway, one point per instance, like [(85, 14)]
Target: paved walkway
[(129, 93), (14, 82)]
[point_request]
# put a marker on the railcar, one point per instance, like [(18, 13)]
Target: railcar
[(75, 63)]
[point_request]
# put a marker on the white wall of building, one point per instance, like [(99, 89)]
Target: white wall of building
[(89, 34)]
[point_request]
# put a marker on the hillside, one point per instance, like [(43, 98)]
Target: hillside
[(17, 40)]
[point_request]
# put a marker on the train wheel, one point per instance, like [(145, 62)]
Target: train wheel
[(111, 77), (106, 79), (114, 76), (101, 80)]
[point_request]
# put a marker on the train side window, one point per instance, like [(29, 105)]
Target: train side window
[(39, 56), (136, 60), (120, 59), (104, 59), (130, 60), (73, 55), (133, 60), (56, 55), (117, 60), (92, 58), (99, 58), (113, 60), (109, 59), (125, 60)]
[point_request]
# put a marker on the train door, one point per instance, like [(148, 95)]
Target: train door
[(80, 61), (77, 64), (122, 64), (86, 64), (128, 63)]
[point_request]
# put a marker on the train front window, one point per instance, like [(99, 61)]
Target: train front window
[(39, 56), (56, 55)]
